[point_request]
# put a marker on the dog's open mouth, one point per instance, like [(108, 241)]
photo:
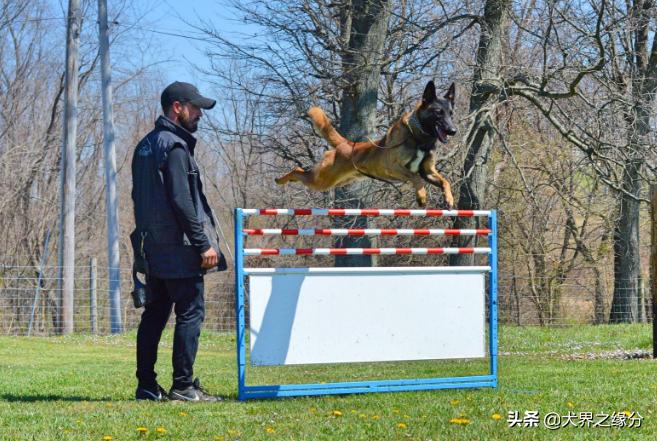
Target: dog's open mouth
[(441, 134)]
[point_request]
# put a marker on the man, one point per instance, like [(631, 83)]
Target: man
[(175, 234)]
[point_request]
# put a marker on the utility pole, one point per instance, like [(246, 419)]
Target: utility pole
[(110, 173), (67, 213), (653, 265)]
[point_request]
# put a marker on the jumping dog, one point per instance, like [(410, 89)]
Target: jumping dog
[(405, 154)]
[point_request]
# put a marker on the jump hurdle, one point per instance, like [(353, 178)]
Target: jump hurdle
[(306, 315)]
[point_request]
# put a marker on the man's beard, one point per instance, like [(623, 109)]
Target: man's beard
[(188, 124)]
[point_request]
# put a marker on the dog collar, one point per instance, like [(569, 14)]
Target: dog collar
[(414, 124)]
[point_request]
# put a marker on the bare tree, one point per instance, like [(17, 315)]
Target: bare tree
[(480, 136)]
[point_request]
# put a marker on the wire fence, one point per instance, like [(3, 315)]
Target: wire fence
[(30, 305)]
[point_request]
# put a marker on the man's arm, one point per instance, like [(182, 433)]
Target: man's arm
[(176, 180)]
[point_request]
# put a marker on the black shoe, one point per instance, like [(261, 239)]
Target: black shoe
[(152, 394), (192, 393)]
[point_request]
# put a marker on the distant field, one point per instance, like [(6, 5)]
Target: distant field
[(82, 387)]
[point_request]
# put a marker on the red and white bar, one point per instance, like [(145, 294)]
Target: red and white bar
[(364, 231), (357, 251), (362, 212)]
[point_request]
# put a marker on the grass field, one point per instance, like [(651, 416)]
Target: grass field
[(81, 388)]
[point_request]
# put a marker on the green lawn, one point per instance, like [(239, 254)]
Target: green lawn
[(81, 388)]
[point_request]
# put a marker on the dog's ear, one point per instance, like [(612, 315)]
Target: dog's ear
[(429, 94), (451, 93)]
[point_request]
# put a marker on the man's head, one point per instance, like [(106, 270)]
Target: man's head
[(182, 104)]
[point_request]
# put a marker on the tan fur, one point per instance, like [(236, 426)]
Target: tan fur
[(385, 159)]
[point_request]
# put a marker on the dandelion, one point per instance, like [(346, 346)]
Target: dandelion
[(376, 417), (454, 402), (362, 415), (107, 438), (570, 405), (627, 413), (462, 421), (401, 426), (142, 430), (270, 429), (354, 411), (161, 430), (496, 416), (232, 432), (313, 410), (395, 411), (408, 417), (183, 414), (336, 413)]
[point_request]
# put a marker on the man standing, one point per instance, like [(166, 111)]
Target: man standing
[(175, 234)]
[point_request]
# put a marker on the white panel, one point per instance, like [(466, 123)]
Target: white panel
[(334, 315)]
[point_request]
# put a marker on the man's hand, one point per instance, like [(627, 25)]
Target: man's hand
[(210, 258)]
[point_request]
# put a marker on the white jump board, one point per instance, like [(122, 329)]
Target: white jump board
[(337, 315)]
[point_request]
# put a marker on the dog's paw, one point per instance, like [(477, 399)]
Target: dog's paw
[(449, 199), (421, 197)]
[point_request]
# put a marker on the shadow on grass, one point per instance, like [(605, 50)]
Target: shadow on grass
[(51, 397), (38, 398)]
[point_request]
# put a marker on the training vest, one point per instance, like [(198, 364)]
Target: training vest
[(161, 247)]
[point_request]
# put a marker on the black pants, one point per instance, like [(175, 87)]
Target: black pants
[(187, 296)]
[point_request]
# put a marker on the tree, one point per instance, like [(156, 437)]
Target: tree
[(366, 24), (481, 134)]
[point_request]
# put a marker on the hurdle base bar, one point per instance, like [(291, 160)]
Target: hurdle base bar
[(422, 384)]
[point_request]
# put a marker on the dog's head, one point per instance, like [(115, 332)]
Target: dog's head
[(435, 114)]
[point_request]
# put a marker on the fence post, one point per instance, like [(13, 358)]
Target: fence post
[(653, 265), (37, 290), (93, 314)]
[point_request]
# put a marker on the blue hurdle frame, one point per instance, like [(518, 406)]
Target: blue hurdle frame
[(245, 391)]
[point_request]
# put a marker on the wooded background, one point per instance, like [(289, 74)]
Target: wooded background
[(555, 109)]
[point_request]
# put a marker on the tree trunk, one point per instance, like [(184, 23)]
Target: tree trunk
[(642, 83), (479, 139), (624, 306), (627, 257), (367, 22)]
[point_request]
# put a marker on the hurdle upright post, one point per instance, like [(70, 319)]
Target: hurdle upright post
[(492, 293), (239, 302)]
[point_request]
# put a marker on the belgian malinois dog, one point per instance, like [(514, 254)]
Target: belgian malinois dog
[(405, 154)]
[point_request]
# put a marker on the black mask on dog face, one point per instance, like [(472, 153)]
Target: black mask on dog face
[(435, 114)]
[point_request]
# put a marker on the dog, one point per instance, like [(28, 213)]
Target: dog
[(405, 154)]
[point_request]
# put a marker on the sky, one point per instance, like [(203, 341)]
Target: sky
[(179, 40), (173, 26), (167, 28)]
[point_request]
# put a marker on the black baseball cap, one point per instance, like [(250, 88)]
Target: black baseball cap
[(185, 93)]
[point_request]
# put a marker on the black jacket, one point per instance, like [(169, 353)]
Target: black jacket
[(174, 223)]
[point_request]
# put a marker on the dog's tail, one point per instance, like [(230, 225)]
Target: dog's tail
[(325, 128)]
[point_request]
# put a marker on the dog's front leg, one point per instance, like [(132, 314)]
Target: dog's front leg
[(420, 190), (430, 174)]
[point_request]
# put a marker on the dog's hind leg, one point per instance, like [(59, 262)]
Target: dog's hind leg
[(294, 175), (430, 174)]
